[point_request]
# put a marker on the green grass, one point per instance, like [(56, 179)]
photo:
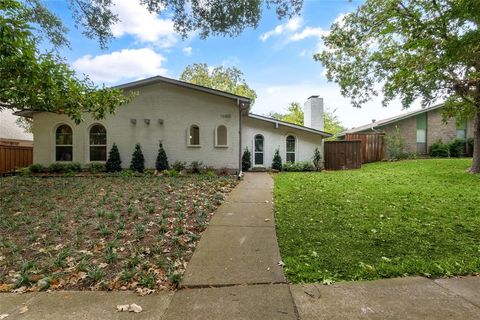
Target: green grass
[(419, 217)]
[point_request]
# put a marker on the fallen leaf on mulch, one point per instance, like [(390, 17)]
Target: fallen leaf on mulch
[(3, 316), (129, 308), (23, 309)]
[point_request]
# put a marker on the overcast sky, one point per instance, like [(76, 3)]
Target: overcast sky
[(276, 58)]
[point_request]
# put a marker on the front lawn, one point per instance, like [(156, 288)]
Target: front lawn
[(110, 233), (418, 217)]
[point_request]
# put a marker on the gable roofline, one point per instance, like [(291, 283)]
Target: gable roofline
[(381, 123), (288, 124), (155, 79)]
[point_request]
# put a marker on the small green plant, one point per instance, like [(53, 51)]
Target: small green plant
[(211, 174), (138, 160), (146, 280), (179, 166), (299, 166), (277, 161), (127, 275), (396, 146), (196, 167), (172, 173), (95, 167), (57, 167), (317, 159), (246, 160), (37, 168), (113, 164), (162, 160), (439, 150), (457, 148), (96, 273)]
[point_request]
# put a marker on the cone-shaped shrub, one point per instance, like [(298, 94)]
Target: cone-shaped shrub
[(317, 159), (277, 161), (113, 163), (246, 160), (162, 160), (138, 161)]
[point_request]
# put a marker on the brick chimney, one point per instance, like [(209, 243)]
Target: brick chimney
[(313, 113)]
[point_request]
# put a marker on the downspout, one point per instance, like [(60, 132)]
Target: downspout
[(241, 108)]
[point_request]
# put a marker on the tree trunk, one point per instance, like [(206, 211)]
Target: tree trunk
[(476, 144)]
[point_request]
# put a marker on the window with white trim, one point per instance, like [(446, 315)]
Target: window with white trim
[(98, 143), (290, 148), (194, 135), (64, 143), (221, 136)]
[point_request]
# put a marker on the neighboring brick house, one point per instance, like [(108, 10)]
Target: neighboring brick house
[(420, 128)]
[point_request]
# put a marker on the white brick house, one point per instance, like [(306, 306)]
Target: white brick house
[(194, 123)]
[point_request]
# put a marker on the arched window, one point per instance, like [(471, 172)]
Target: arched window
[(258, 156), (98, 143), (64, 143), (221, 136), (194, 135), (290, 148)]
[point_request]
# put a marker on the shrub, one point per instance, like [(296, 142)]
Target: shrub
[(299, 166), (277, 161), (114, 164), (396, 147), (246, 160), (36, 168), (138, 161), (456, 148), (162, 160), (179, 166), (317, 159), (172, 173), (95, 167), (58, 167), (196, 167), (439, 149), (74, 167)]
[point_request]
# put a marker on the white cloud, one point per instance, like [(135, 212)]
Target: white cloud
[(126, 64), (292, 25), (230, 61), (187, 51), (137, 21), (307, 33)]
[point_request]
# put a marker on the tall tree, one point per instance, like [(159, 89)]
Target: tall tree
[(229, 79), (295, 115), (422, 49), (36, 81)]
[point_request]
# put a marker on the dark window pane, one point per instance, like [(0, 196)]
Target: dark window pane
[(290, 157), (194, 135), (258, 158), (98, 153), (259, 144), (98, 135), (63, 153), (63, 135), (290, 144), (222, 136)]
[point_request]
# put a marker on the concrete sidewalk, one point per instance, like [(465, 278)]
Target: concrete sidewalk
[(235, 272)]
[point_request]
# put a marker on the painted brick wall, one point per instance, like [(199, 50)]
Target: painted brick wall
[(178, 107)]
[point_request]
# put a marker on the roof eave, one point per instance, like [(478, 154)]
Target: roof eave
[(291, 125)]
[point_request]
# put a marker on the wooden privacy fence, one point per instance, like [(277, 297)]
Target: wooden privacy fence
[(373, 145), (340, 155), (13, 157)]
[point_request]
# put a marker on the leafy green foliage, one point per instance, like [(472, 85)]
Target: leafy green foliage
[(59, 167), (439, 149), (299, 166), (138, 161), (179, 166), (228, 79), (295, 115), (36, 168), (411, 50), (317, 159), (37, 81), (196, 167), (114, 163), (415, 217), (277, 161), (246, 160), (456, 148), (162, 161), (396, 146), (95, 167)]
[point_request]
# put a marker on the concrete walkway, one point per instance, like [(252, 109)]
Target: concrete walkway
[(234, 274)]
